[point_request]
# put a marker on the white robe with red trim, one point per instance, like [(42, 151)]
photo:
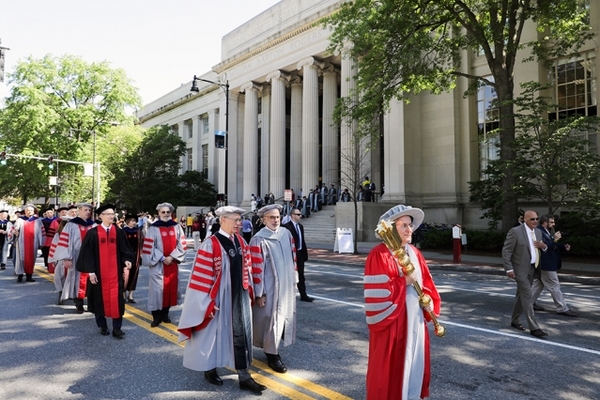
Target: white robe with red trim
[(398, 365), (30, 238), (210, 341), (152, 254), (275, 276), (68, 247)]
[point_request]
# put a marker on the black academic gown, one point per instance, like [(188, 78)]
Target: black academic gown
[(89, 261)]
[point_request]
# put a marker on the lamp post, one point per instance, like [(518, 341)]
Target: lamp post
[(95, 166), (225, 87)]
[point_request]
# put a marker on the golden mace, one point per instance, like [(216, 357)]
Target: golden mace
[(388, 233)]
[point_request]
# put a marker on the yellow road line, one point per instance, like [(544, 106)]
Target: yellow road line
[(169, 332)]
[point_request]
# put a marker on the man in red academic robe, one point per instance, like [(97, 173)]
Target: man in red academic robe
[(399, 366), (105, 253)]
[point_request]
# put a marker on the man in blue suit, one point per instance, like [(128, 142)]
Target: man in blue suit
[(550, 263)]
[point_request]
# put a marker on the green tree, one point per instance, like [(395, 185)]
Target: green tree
[(196, 190), (552, 162), (150, 174), (54, 107), (403, 47)]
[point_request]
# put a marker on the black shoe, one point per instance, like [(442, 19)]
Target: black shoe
[(2, 266), (20, 278), (29, 278), (538, 333), (276, 364), (253, 386), (517, 326), (79, 309), (131, 300), (307, 299), (213, 377), (538, 308), (104, 331), (568, 313), (166, 320), (60, 300), (118, 333), (156, 319)]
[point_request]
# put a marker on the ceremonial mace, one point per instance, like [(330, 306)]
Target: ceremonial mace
[(388, 233)]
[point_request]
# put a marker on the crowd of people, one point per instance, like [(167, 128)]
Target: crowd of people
[(240, 295)]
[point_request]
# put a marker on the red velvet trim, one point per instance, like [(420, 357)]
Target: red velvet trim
[(29, 246)]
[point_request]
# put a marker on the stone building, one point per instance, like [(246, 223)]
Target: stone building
[(283, 86)]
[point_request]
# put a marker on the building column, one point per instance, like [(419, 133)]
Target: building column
[(310, 122), (277, 154), (296, 137), (394, 150), (234, 152), (349, 166), (265, 141), (250, 170), (213, 152), (331, 148), (197, 143)]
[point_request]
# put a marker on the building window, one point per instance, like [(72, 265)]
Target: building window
[(575, 92), (205, 160), (190, 164), (190, 128), (488, 116), (204, 122), (175, 129)]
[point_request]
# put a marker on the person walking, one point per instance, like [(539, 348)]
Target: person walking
[(216, 318), (28, 236), (5, 227), (105, 254), (550, 263), (399, 361), (274, 276), (521, 256), (297, 231), (163, 250)]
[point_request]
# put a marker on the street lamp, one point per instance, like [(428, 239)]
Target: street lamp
[(225, 87)]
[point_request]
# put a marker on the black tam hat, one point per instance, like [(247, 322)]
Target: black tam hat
[(104, 207)]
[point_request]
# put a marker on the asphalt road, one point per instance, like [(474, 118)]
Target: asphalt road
[(49, 352)]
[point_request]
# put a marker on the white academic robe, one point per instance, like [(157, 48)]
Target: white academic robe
[(152, 254), (210, 341), (274, 275), (68, 247)]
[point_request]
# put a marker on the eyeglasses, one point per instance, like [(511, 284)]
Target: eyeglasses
[(165, 212), (533, 219), (406, 226)]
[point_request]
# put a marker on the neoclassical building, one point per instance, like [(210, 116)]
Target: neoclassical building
[(283, 87)]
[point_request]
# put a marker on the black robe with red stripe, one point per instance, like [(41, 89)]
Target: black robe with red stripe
[(105, 256)]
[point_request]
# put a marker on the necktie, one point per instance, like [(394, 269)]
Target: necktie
[(299, 246), (537, 251)]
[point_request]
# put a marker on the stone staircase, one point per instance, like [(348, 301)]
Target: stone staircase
[(320, 227)]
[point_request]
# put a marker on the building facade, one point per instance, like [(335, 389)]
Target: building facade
[(283, 87)]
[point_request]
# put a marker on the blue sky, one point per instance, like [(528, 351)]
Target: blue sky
[(159, 44)]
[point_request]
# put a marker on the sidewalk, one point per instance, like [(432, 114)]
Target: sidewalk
[(570, 272)]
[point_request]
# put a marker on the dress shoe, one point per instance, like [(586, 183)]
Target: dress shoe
[(538, 333), (104, 331), (60, 300), (253, 386), (131, 300), (517, 326), (307, 299), (79, 309), (538, 308), (569, 313), (20, 278), (213, 377), (29, 278), (2, 266), (166, 320), (276, 365), (118, 333)]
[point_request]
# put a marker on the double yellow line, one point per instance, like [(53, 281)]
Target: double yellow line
[(168, 332)]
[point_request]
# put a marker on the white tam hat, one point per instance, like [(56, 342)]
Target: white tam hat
[(267, 209), (229, 210), (401, 210)]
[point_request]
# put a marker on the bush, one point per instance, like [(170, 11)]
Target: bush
[(485, 240), (583, 246)]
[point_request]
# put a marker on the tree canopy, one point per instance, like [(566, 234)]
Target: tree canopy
[(404, 47), (55, 107)]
